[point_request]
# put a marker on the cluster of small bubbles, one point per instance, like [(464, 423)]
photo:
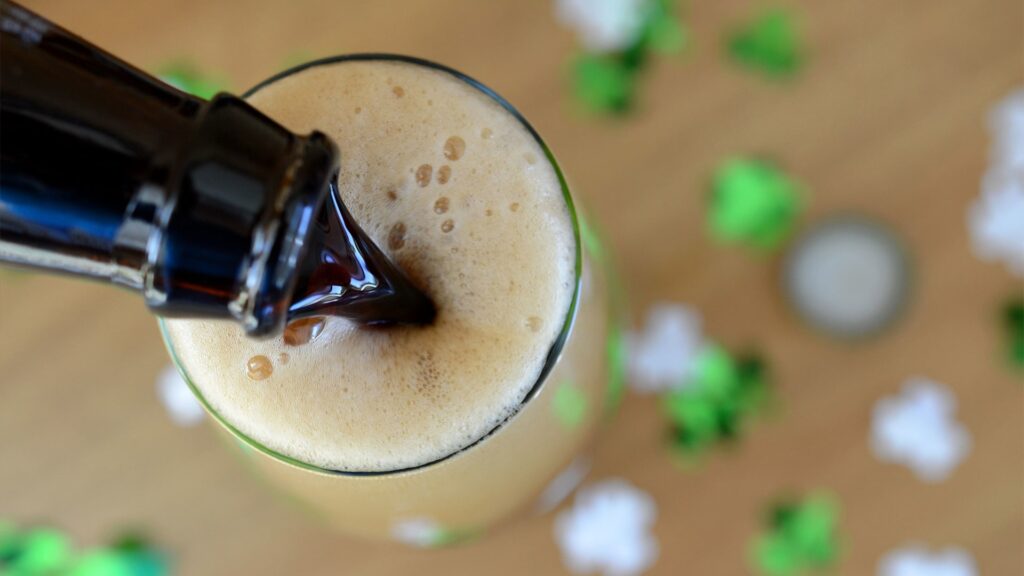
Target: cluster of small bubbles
[(303, 330), (398, 91), (259, 368), (423, 175), (454, 148), (429, 373), (514, 206), (447, 226), (444, 173), (396, 237), (441, 206), (534, 323)]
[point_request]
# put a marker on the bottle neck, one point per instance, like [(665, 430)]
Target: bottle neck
[(108, 173), (207, 208), (84, 161)]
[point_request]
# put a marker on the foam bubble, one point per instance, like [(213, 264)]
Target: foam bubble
[(534, 323), (441, 206), (303, 331), (444, 173), (396, 237), (454, 148), (423, 174), (259, 367)]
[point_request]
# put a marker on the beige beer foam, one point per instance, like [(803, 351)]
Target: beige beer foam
[(454, 189)]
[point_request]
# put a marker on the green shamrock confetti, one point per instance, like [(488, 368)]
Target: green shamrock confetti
[(608, 83), (801, 537), (602, 83), (46, 552), (616, 351), (665, 35), (186, 77), (769, 43), (615, 346), (752, 202), (452, 537), (569, 404), (716, 400), (101, 563), (1013, 327), (37, 551), (10, 541)]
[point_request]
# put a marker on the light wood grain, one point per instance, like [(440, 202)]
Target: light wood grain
[(887, 119)]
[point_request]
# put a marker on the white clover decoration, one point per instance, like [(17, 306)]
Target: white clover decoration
[(604, 25), (608, 530), (996, 218), (181, 404), (918, 428), (662, 355), (916, 560), (1006, 123), (421, 532)]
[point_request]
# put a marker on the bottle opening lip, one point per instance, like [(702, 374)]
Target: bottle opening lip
[(557, 346), (281, 240)]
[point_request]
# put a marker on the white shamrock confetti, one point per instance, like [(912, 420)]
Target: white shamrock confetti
[(608, 530), (563, 484), (917, 561), (181, 404), (604, 25), (422, 532), (1006, 122), (918, 428), (996, 219), (662, 355)]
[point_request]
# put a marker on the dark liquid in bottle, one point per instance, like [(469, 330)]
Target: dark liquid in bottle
[(345, 274), (97, 156)]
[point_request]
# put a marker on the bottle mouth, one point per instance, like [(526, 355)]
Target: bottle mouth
[(309, 257), (227, 235), (281, 241)]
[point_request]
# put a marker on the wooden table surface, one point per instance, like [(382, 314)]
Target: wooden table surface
[(887, 118)]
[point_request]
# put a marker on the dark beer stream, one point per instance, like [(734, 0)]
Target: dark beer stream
[(346, 274), (207, 208)]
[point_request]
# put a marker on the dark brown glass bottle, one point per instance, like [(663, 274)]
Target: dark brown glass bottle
[(207, 208)]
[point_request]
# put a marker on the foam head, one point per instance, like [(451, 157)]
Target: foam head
[(460, 194)]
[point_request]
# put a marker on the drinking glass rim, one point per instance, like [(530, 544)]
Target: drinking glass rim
[(557, 346)]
